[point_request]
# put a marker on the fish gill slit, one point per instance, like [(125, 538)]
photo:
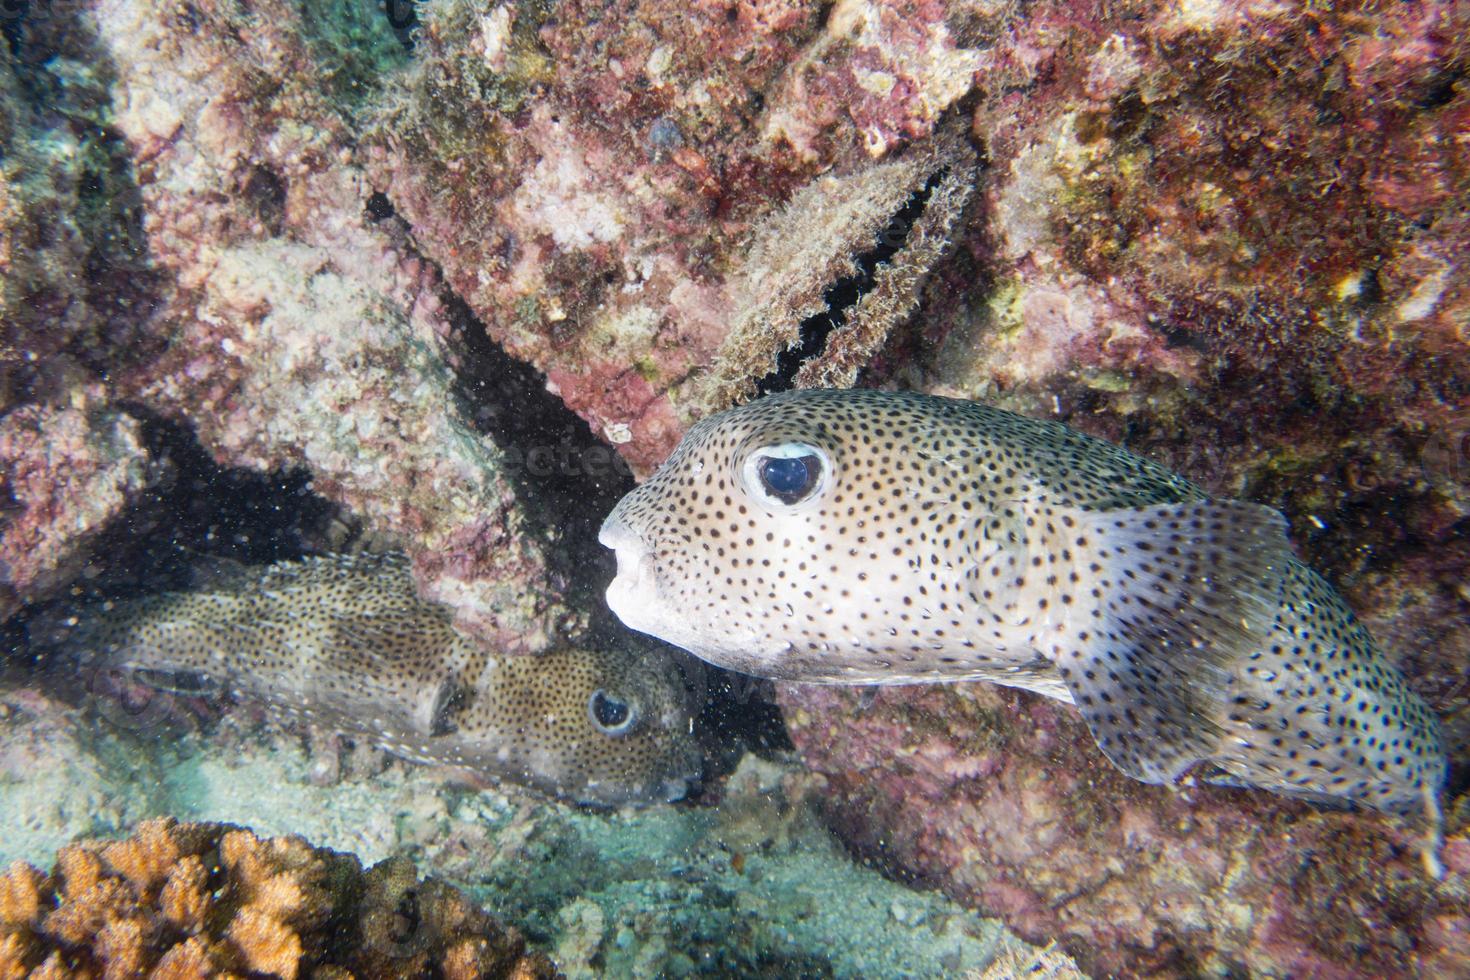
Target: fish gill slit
[(845, 293)]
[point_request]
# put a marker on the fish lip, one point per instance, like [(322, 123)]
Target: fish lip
[(681, 788), (636, 581), (616, 535)]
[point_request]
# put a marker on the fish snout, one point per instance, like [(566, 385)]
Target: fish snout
[(634, 589), (688, 787), (617, 535)]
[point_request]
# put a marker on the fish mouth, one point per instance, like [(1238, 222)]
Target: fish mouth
[(682, 788), (634, 589), (662, 790)]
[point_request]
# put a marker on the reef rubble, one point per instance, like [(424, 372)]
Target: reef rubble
[(752, 885)]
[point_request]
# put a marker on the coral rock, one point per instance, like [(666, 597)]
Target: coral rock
[(1002, 799), (67, 472), (300, 332), (614, 214)]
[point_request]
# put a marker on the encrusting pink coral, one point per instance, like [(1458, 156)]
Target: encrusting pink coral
[(67, 471)]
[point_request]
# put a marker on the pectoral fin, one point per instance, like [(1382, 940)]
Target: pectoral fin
[(1167, 601)]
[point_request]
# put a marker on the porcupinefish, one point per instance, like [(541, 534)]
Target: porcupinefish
[(346, 643), (865, 537)]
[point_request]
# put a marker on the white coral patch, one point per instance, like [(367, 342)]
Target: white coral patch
[(495, 36), (1206, 15), (1038, 176), (1425, 296), (561, 197), (1112, 68)]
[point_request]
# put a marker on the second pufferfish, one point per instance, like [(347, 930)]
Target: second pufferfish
[(345, 642)]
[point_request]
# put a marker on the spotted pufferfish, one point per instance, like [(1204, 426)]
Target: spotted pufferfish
[(345, 643), (866, 537)]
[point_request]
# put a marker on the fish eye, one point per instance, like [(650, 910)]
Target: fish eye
[(784, 475), (610, 714)]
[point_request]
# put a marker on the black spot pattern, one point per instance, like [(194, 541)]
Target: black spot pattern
[(345, 641), (956, 541), (1186, 591)]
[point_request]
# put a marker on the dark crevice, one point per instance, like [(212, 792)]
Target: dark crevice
[(13, 15), (565, 477), (403, 20), (195, 518), (265, 193), (845, 293), (378, 207), (567, 480), (740, 714), (200, 511), (1440, 91)]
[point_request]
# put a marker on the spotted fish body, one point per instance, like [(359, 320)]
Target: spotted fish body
[(345, 642), (869, 537)]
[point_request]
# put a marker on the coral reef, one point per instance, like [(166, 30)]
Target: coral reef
[(1003, 800), (75, 282), (753, 883), (65, 473), (191, 900), (606, 190), (286, 326), (1188, 213), (1228, 234)]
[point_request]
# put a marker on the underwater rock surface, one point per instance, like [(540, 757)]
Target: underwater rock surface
[(753, 886), (1228, 234), (285, 327), (69, 471), (1004, 801)]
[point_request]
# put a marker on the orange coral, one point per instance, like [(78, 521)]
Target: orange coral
[(179, 901), (184, 900), (266, 945), (20, 895)]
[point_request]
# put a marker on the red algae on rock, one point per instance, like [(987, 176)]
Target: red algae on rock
[(605, 175), (1002, 800), (67, 472), (299, 333)]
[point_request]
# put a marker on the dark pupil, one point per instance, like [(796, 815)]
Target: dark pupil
[(609, 712), (789, 479)]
